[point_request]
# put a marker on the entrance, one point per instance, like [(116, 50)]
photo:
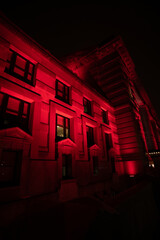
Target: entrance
[(66, 166)]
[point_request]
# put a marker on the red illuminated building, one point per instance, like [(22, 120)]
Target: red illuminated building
[(70, 128)]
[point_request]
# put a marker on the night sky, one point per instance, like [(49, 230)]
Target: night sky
[(65, 28)]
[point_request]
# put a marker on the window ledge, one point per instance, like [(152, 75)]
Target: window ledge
[(106, 125), (88, 116), (19, 77), (15, 132)]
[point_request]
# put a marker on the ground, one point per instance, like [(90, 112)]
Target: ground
[(132, 214)]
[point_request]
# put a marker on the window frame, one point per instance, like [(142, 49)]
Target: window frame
[(64, 128), (88, 105), (19, 116), (65, 89), (12, 65)]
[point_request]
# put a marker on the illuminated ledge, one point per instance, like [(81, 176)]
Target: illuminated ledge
[(94, 147), (67, 142), (15, 132)]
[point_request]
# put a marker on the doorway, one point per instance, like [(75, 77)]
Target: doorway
[(66, 166)]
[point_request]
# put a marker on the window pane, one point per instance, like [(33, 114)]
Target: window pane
[(108, 138), (19, 71), (87, 129), (62, 127), (29, 77), (87, 106), (13, 104), (67, 122), (11, 120), (66, 90), (85, 109), (60, 131), (9, 55), (67, 133), (20, 62), (25, 108), (60, 94), (60, 120), (64, 171), (90, 137), (91, 133), (84, 102), (7, 66), (107, 120), (14, 115), (62, 91), (66, 98), (66, 93), (30, 68), (104, 116), (60, 87)]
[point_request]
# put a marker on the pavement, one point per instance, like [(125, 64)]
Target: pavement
[(133, 214)]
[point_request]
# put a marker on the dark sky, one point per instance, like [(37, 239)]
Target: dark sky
[(66, 28)]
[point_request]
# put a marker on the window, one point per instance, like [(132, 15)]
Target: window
[(113, 164), (10, 168), (105, 116), (62, 91), (62, 127), (87, 106), (66, 166), (90, 136), (20, 67), (14, 112), (109, 144), (95, 165)]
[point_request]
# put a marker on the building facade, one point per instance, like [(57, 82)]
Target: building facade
[(70, 127)]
